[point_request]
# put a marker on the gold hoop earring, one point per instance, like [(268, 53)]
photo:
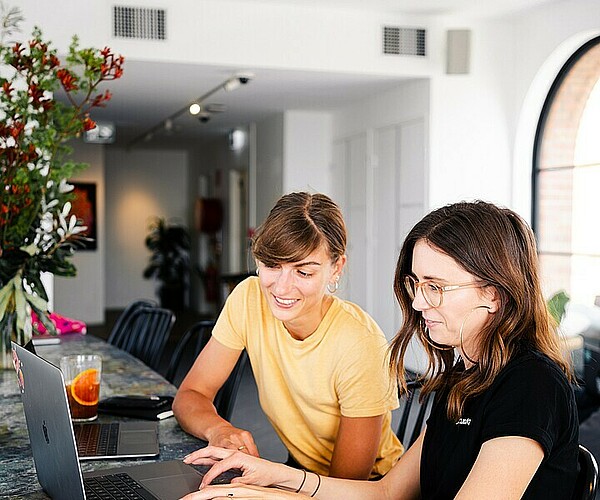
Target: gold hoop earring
[(424, 333), (336, 285), (462, 326)]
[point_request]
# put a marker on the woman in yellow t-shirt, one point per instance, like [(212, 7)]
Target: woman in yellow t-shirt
[(319, 361)]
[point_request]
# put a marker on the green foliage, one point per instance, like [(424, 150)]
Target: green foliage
[(557, 305), (37, 232), (170, 253)]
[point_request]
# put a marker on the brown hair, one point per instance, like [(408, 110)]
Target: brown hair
[(497, 247), (297, 225)]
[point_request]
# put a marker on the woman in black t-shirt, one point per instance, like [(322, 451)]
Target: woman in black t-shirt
[(504, 420)]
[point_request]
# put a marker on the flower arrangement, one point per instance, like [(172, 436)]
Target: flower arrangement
[(37, 231)]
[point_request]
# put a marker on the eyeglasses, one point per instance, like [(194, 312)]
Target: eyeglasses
[(432, 292)]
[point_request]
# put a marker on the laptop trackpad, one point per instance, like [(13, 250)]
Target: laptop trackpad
[(166, 488)]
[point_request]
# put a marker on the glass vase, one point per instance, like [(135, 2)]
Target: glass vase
[(8, 332), (8, 326)]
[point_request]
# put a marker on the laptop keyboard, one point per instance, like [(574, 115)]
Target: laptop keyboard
[(114, 487), (97, 440)]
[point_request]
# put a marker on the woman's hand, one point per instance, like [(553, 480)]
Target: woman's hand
[(229, 491), (232, 438), (255, 471)]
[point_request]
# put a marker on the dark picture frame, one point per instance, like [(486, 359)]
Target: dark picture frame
[(83, 205)]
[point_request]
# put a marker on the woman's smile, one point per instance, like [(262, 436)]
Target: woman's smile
[(285, 303)]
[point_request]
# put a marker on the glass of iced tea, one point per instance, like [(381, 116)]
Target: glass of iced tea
[(82, 373)]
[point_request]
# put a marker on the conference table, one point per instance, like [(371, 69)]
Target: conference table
[(121, 374)]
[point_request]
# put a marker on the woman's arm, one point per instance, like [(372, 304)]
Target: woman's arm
[(503, 469), (356, 447), (193, 405), (401, 483)]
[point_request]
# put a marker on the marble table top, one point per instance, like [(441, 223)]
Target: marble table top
[(121, 374)]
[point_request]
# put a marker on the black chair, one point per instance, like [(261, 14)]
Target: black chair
[(123, 322), (587, 477), (414, 412), (184, 355), (146, 334)]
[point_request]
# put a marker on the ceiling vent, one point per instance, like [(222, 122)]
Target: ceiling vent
[(139, 23), (404, 41)]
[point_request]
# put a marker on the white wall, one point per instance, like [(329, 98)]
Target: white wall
[(269, 164), (307, 151), (82, 297), (140, 184), (240, 34)]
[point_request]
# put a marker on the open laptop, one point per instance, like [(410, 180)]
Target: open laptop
[(55, 452), (106, 440)]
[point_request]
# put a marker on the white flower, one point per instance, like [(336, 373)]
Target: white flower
[(72, 223), (66, 209), (65, 187), (30, 126), (47, 223)]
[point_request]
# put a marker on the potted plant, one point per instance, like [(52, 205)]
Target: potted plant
[(37, 231), (169, 245)]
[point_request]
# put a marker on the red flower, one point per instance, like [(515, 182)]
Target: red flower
[(67, 79), (88, 123)]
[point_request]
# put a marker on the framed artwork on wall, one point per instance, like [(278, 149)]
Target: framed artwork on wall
[(84, 207)]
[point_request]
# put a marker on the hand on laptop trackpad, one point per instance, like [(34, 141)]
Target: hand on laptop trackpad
[(224, 478)]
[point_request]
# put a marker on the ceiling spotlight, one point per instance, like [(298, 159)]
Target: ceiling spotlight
[(204, 117), (195, 108)]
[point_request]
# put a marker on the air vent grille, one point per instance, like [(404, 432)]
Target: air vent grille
[(404, 41), (140, 23)]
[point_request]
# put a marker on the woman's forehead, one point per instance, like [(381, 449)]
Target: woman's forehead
[(429, 262)]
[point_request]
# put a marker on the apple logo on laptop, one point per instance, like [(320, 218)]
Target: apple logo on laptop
[(45, 429)]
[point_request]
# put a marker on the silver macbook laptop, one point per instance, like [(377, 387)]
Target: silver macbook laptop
[(55, 452)]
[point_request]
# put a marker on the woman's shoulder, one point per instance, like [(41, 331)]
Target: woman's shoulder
[(532, 367), (349, 313), (246, 296), (247, 286)]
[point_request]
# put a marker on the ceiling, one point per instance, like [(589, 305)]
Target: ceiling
[(150, 92)]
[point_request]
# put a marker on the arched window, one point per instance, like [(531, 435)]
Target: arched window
[(566, 179)]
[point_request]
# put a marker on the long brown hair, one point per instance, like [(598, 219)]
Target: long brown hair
[(496, 246), (298, 224)]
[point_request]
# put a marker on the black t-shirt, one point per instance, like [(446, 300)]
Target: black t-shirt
[(531, 397)]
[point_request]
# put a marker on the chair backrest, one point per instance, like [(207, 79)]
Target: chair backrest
[(147, 334), (118, 332), (587, 477), (414, 412), (184, 355)]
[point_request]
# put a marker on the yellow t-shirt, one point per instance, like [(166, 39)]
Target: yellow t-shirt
[(305, 386)]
